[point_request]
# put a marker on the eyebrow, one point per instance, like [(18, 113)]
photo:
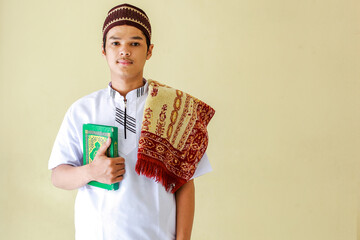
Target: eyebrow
[(135, 38)]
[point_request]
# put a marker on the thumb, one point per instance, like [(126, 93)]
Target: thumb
[(104, 147)]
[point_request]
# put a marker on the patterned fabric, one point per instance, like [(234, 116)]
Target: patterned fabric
[(173, 136)]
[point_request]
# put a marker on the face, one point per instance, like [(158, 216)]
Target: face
[(126, 52)]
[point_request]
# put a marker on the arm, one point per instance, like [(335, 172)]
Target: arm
[(185, 207), (102, 169), (69, 177)]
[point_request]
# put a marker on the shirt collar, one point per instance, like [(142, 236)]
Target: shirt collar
[(138, 92)]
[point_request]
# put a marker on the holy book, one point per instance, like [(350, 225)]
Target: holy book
[(94, 136)]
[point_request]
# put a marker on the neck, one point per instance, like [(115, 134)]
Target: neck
[(123, 85)]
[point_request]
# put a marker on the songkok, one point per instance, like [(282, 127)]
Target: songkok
[(126, 14)]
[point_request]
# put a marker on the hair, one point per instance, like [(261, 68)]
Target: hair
[(147, 41)]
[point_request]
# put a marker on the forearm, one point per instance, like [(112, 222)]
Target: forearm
[(69, 177), (185, 207)]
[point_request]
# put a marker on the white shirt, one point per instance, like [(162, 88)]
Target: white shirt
[(140, 208)]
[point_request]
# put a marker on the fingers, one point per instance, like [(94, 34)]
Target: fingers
[(117, 179), (117, 175), (119, 161), (119, 169), (116, 170), (105, 169)]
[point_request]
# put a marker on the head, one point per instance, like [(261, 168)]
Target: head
[(126, 42), (126, 14)]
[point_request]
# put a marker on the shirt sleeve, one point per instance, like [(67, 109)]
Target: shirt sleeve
[(67, 147), (203, 167)]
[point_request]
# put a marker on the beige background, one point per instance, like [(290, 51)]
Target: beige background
[(283, 76)]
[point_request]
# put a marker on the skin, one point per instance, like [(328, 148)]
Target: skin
[(185, 208), (126, 53)]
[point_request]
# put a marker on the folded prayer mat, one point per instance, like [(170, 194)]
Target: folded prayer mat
[(173, 135)]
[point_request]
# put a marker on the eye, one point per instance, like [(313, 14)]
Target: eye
[(115, 43), (135, 44)]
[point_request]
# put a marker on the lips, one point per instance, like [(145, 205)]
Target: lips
[(124, 61)]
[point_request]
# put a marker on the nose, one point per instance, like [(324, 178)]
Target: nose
[(124, 52)]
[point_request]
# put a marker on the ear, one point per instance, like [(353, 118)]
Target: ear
[(103, 50), (149, 53)]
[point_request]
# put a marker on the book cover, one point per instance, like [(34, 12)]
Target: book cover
[(94, 136)]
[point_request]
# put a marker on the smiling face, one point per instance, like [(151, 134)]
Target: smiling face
[(126, 53)]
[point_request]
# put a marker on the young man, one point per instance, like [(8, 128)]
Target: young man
[(156, 196)]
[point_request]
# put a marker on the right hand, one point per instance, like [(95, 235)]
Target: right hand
[(104, 169)]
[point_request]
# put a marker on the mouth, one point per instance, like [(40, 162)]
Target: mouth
[(124, 62)]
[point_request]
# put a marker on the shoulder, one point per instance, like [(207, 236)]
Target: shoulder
[(90, 99), (88, 104)]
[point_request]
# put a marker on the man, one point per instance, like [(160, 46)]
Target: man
[(143, 207)]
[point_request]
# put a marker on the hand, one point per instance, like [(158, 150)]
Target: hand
[(104, 169)]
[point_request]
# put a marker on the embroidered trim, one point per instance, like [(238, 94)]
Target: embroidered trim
[(139, 91), (132, 9), (127, 19), (130, 121)]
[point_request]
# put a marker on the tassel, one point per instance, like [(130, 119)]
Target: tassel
[(157, 170)]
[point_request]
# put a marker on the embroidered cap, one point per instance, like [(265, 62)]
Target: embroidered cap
[(126, 14)]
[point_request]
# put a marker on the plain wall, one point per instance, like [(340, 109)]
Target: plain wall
[(282, 75)]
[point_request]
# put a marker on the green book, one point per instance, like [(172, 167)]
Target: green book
[(94, 136)]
